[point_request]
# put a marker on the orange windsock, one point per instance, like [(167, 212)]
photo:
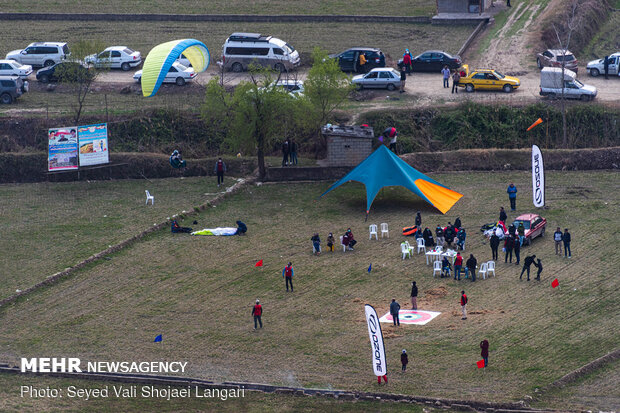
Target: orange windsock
[(538, 122)]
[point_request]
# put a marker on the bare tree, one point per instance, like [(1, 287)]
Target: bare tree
[(564, 43)]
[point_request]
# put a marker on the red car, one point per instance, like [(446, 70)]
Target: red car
[(534, 226)]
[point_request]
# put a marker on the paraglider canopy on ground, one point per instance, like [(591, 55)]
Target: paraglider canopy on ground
[(384, 168)]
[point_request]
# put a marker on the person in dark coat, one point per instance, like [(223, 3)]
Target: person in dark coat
[(566, 240), (257, 312), (293, 152), (517, 249), (316, 243), (429, 241), (418, 219), (381, 59), (347, 239), (494, 246), (470, 267), (527, 263), (241, 228), (461, 236), (219, 169), (445, 267), (404, 359), (509, 244), (606, 66), (414, 296), (502, 214), (286, 149), (457, 223), (449, 234), (394, 309), (484, 351), (540, 268), (512, 230)]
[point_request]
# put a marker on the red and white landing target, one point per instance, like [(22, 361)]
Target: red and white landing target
[(411, 317)]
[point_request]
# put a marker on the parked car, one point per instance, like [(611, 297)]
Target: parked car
[(12, 87), (40, 54), (293, 86), (178, 74), (350, 58), (597, 67), (63, 71), (242, 49), (488, 79), (433, 61), (551, 85), (555, 57), (12, 68), (534, 226), (380, 77), (115, 57)]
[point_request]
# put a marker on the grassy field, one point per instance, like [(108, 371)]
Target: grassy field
[(198, 292), (253, 402), (606, 41), (370, 7)]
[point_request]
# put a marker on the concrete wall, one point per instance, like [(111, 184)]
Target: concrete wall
[(457, 6), (345, 151), (315, 173)]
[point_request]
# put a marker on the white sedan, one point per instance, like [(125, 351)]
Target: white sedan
[(116, 57), (380, 77), (178, 74), (12, 68)]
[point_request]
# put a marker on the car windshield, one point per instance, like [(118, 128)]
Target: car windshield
[(567, 58), (289, 49), (180, 67), (578, 83), (499, 75), (526, 224), (128, 50)]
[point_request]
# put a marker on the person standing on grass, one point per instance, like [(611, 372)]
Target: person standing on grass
[(403, 79), (484, 351), (286, 149), (557, 237), (219, 169), (512, 196), (293, 152), (287, 274), (414, 296), (517, 249), (394, 309), (418, 219), (257, 312), (509, 244), (494, 246), (458, 265), (566, 240), (470, 266), (527, 263), (538, 264), (502, 214), (606, 66), (456, 78), (446, 76), (404, 359), (464, 305)]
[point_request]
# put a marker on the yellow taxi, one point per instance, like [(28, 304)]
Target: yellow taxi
[(487, 79)]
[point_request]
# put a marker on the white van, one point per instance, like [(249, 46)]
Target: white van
[(241, 49), (551, 84)]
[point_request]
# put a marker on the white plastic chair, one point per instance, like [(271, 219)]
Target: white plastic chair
[(344, 247), (411, 249), (436, 267), (149, 197), (384, 230), (483, 270), (421, 245), (404, 249), (491, 268), (373, 231)]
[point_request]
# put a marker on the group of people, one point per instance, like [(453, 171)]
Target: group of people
[(289, 152), (456, 76), (348, 240)]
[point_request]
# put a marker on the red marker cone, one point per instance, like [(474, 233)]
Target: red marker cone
[(480, 364), (538, 122), (555, 283), (259, 263)]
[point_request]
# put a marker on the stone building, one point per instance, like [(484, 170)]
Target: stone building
[(347, 145)]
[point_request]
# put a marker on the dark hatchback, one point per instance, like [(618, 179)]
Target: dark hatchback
[(350, 58), (433, 61), (63, 71)]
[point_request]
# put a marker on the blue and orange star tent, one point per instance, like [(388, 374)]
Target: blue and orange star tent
[(384, 168)]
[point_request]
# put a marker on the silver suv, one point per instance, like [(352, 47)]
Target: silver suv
[(11, 87), (40, 54), (555, 57)]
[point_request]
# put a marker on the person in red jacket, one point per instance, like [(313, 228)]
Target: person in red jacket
[(219, 169), (464, 305), (287, 274), (484, 352), (257, 312), (458, 265)]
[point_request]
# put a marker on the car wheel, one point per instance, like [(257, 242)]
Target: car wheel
[(6, 98), (391, 86), (469, 87), (507, 88), (584, 98), (125, 66), (280, 67), (237, 67), (551, 95), (180, 81), (48, 63), (44, 79), (539, 63), (528, 241), (594, 72), (542, 233)]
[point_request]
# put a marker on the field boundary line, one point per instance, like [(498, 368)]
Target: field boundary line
[(54, 278), (281, 18), (292, 391), (583, 370)]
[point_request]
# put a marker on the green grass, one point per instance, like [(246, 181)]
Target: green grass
[(11, 400), (260, 7), (198, 292), (606, 41)]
